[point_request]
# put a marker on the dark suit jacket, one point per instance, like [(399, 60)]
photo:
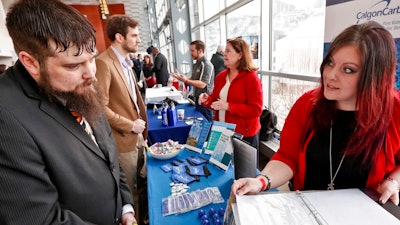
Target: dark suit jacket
[(51, 172), (218, 62), (137, 67), (160, 68), (119, 107)]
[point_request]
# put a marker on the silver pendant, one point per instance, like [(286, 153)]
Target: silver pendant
[(330, 186)]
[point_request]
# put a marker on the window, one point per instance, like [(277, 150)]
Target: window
[(194, 12), (297, 36), (244, 21), (297, 48), (230, 2), (210, 8), (213, 37)]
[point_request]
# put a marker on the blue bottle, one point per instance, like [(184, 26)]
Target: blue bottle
[(164, 115), (172, 115)]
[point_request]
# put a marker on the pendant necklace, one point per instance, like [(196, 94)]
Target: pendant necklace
[(331, 184)]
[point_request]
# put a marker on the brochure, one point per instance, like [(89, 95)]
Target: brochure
[(198, 135), (215, 135), (222, 154)]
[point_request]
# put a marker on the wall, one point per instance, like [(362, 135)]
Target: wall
[(93, 14), (134, 8)]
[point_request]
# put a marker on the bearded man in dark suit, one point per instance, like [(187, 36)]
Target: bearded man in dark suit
[(55, 167)]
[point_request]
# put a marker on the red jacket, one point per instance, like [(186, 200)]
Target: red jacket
[(290, 151), (245, 98)]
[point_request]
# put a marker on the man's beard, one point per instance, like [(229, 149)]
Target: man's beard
[(89, 103), (129, 49)]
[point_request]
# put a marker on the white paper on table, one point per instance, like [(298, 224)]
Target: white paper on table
[(235, 212), (350, 206), (338, 207), (274, 208)]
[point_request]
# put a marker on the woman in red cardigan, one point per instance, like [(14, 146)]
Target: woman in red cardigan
[(237, 95), (346, 133)]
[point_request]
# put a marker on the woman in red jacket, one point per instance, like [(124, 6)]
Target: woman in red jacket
[(346, 133), (237, 95)]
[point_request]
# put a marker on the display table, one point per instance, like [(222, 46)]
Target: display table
[(158, 185), (159, 133)]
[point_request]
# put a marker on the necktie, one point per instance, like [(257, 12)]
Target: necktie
[(83, 123)]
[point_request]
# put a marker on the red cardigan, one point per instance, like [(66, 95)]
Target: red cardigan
[(245, 98), (290, 151)]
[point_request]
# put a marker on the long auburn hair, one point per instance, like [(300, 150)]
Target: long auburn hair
[(375, 91)]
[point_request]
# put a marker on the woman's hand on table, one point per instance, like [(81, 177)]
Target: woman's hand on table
[(244, 186), (389, 190)]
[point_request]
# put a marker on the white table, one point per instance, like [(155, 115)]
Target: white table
[(160, 93)]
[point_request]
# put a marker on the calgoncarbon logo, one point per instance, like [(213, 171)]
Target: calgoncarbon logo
[(378, 9)]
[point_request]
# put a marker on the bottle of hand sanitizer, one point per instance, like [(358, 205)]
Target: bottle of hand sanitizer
[(164, 115), (172, 116)]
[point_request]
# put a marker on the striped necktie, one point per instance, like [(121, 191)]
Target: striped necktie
[(83, 123)]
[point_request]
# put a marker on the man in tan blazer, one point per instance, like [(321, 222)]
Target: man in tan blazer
[(124, 106)]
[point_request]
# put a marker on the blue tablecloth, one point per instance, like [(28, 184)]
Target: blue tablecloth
[(179, 132), (158, 185)]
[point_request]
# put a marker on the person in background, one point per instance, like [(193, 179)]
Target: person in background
[(160, 67), (346, 132), (255, 50), (140, 57), (3, 68), (123, 104), (217, 60), (58, 162), (137, 68), (237, 96), (149, 49), (202, 78), (137, 65), (148, 72)]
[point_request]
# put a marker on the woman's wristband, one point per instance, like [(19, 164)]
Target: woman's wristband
[(264, 187), (186, 81)]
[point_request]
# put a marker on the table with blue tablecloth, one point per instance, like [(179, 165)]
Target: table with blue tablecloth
[(158, 185), (179, 132)]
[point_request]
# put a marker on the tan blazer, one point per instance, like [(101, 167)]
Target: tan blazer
[(119, 106)]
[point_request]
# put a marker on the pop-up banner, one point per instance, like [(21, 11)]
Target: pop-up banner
[(341, 14)]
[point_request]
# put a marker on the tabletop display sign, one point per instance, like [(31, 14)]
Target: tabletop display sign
[(222, 154), (198, 135), (215, 134)]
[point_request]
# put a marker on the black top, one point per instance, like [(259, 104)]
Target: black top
[(147, 70), (350, 174), (137, 67)]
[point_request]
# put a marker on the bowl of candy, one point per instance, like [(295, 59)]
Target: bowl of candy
[(165, 150)]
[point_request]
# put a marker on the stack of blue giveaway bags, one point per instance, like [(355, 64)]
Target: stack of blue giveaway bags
[(187, 170)]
